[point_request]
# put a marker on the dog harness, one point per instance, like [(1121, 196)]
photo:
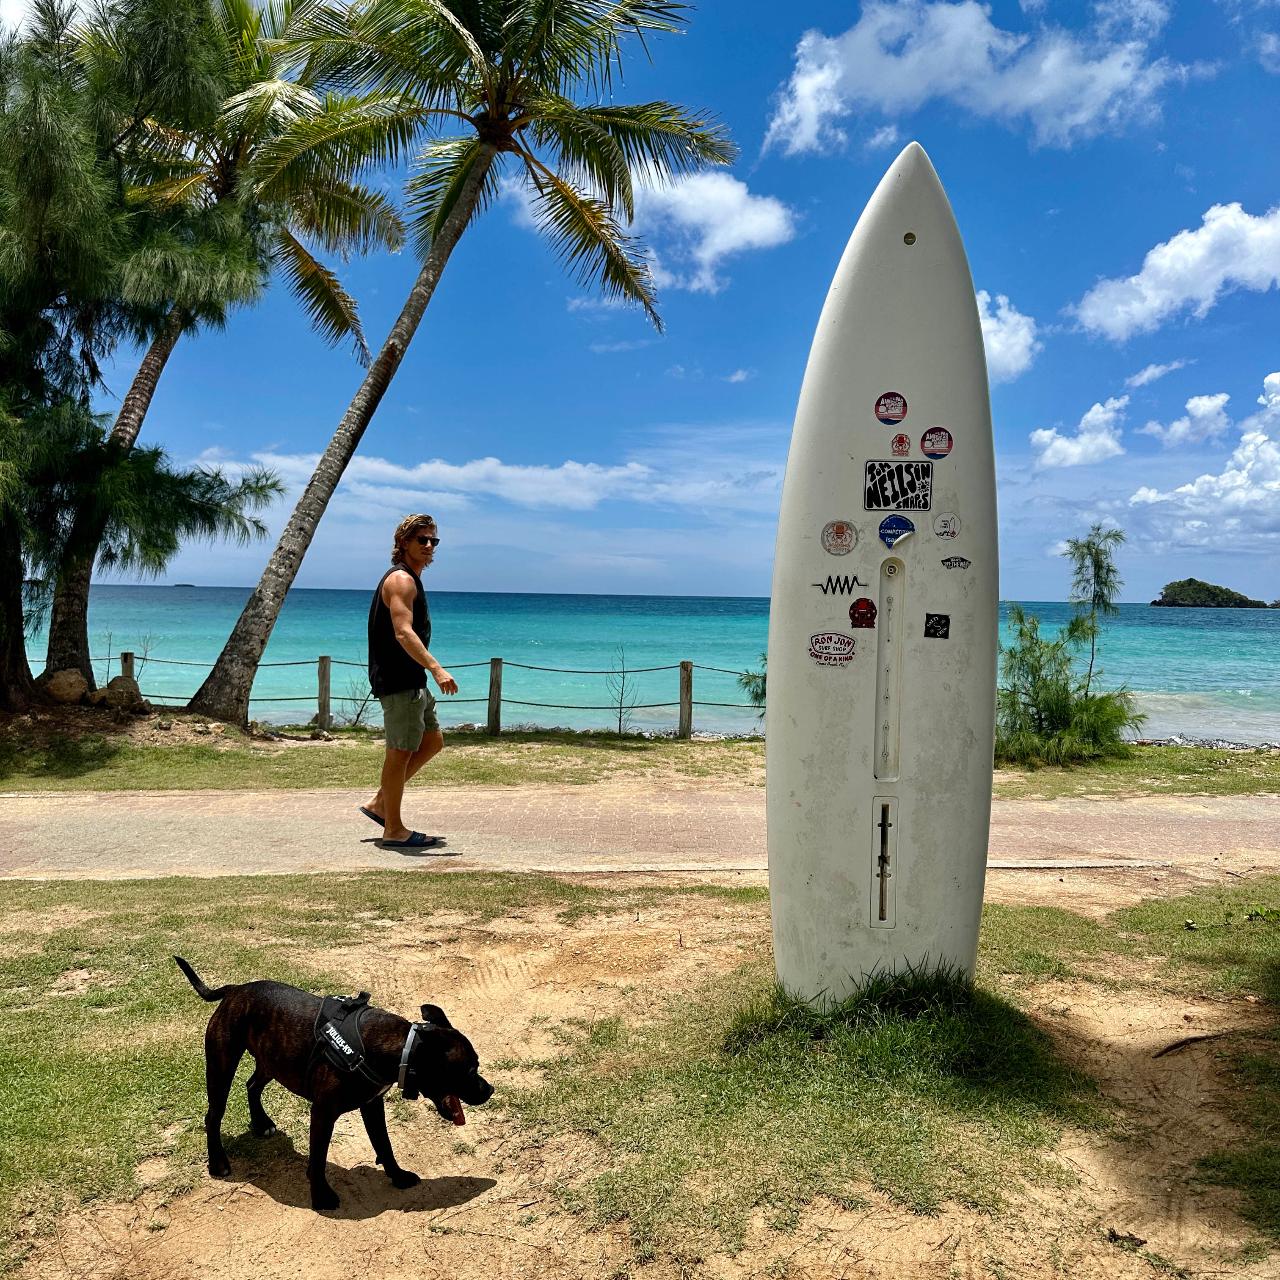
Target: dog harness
[(337, 1034), (338, 1042)]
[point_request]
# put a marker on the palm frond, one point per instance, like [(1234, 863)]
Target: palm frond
[(265, 107), (343, 139), (587, 238), (441, 171), (658, 139), (348, 218), (585, 154), (331, 310)]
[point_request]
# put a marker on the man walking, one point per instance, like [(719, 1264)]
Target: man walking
[(399, 659)]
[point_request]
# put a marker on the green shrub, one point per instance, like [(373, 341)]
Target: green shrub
[(1045, 712)]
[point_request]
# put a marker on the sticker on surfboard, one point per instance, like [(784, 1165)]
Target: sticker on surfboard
[(898, 486), (894, 528), (839, 537), (891, 408), (936, 443), (946, 524), (831, 648)]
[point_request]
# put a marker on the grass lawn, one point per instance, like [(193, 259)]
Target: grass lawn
[(228, 761), (929, 1096)]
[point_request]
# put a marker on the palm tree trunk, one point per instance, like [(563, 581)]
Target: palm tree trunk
[(69, 617), (16, 686), (225, 693)]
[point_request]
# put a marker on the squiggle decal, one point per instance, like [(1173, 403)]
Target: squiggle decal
[(840, 584)]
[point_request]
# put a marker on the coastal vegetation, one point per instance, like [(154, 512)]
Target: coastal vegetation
[(1191, 593), (1046, 711), (221, 758), (928, 1096)]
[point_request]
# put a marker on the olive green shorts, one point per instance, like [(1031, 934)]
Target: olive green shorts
[(408, 715)]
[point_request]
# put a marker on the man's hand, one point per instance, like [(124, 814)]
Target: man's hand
[(445, 681)]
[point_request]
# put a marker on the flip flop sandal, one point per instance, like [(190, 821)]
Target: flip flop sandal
[(416, 840), (373, 817)]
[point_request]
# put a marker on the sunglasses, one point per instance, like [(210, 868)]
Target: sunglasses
[(423, 541)]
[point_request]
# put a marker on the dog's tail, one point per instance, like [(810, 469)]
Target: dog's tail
[(194, 978)]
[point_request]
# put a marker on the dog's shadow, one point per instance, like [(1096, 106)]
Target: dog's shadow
[(278, 1169)]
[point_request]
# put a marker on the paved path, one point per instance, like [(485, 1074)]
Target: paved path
[(598, 828)]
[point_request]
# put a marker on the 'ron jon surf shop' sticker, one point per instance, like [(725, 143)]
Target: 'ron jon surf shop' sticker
[(937, 626), (956, 562), (839, 537), (936, 442), (946, 524), (891, 408), (900, 445), (894, 528), (831, 648), (898, 486), (862, 613)]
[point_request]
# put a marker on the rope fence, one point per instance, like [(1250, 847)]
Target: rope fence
[(323, 698)]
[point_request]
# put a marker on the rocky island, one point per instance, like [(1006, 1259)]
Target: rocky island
[(1191, 593)]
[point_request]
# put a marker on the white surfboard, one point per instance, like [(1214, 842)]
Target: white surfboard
[(883, 625)]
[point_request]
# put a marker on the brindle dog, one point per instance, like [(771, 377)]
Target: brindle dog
[(276, 1022)]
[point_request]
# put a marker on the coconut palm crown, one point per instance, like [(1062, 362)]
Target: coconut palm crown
[(492, 83)]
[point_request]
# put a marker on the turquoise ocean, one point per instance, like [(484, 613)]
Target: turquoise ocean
[(1204, 673)]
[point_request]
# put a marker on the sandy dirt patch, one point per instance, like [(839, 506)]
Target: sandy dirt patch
[(488, 1206)]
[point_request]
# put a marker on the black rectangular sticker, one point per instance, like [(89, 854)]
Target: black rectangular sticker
[(898, 486)]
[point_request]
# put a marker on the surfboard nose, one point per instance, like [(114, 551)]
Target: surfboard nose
[(913, 159)]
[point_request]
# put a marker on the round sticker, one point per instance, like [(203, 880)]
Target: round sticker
[(891, 408), (862, 613), (839, 537), (946, 524), (936, 442), (900, 445), (894, 529)]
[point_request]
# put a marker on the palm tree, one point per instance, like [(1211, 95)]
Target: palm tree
[(59, 462), (205, 190), (499, 74), (1095, 583)]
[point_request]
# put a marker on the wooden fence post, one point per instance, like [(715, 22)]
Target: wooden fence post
[(126, 664), (686, 701), (324, 716), (495, 696)]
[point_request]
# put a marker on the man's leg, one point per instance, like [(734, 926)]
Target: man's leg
[(390, 794), (431, 745)]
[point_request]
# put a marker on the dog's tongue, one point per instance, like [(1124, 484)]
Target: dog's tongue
[(453, 1106)]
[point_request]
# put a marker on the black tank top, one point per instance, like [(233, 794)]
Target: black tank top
[(391, 670)]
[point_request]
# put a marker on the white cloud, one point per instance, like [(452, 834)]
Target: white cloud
[(740, 375), (1097, 437), (1206, 418), (899, 56), (1009, 337), (704, 219), (693, 225), (1269, 52), (1153, 372), (1129, 18), (1239, 508), (1230, 250), (883, 137)]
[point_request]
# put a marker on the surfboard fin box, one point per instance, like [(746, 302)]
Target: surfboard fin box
[(884, 855)]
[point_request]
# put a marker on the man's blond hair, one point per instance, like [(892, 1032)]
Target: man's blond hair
[(405, 530)]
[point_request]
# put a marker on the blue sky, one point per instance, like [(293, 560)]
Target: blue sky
[(1112, 166)]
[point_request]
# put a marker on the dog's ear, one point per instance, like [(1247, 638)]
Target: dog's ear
[(435, 1015)]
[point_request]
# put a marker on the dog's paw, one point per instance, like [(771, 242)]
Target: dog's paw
[(219, 1167), (324, 1198), (403, 1179)]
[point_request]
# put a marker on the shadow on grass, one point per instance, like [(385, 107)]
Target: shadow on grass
[(926, 1088), (61, 757)]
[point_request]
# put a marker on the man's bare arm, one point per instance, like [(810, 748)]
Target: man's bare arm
[(398, 594)]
